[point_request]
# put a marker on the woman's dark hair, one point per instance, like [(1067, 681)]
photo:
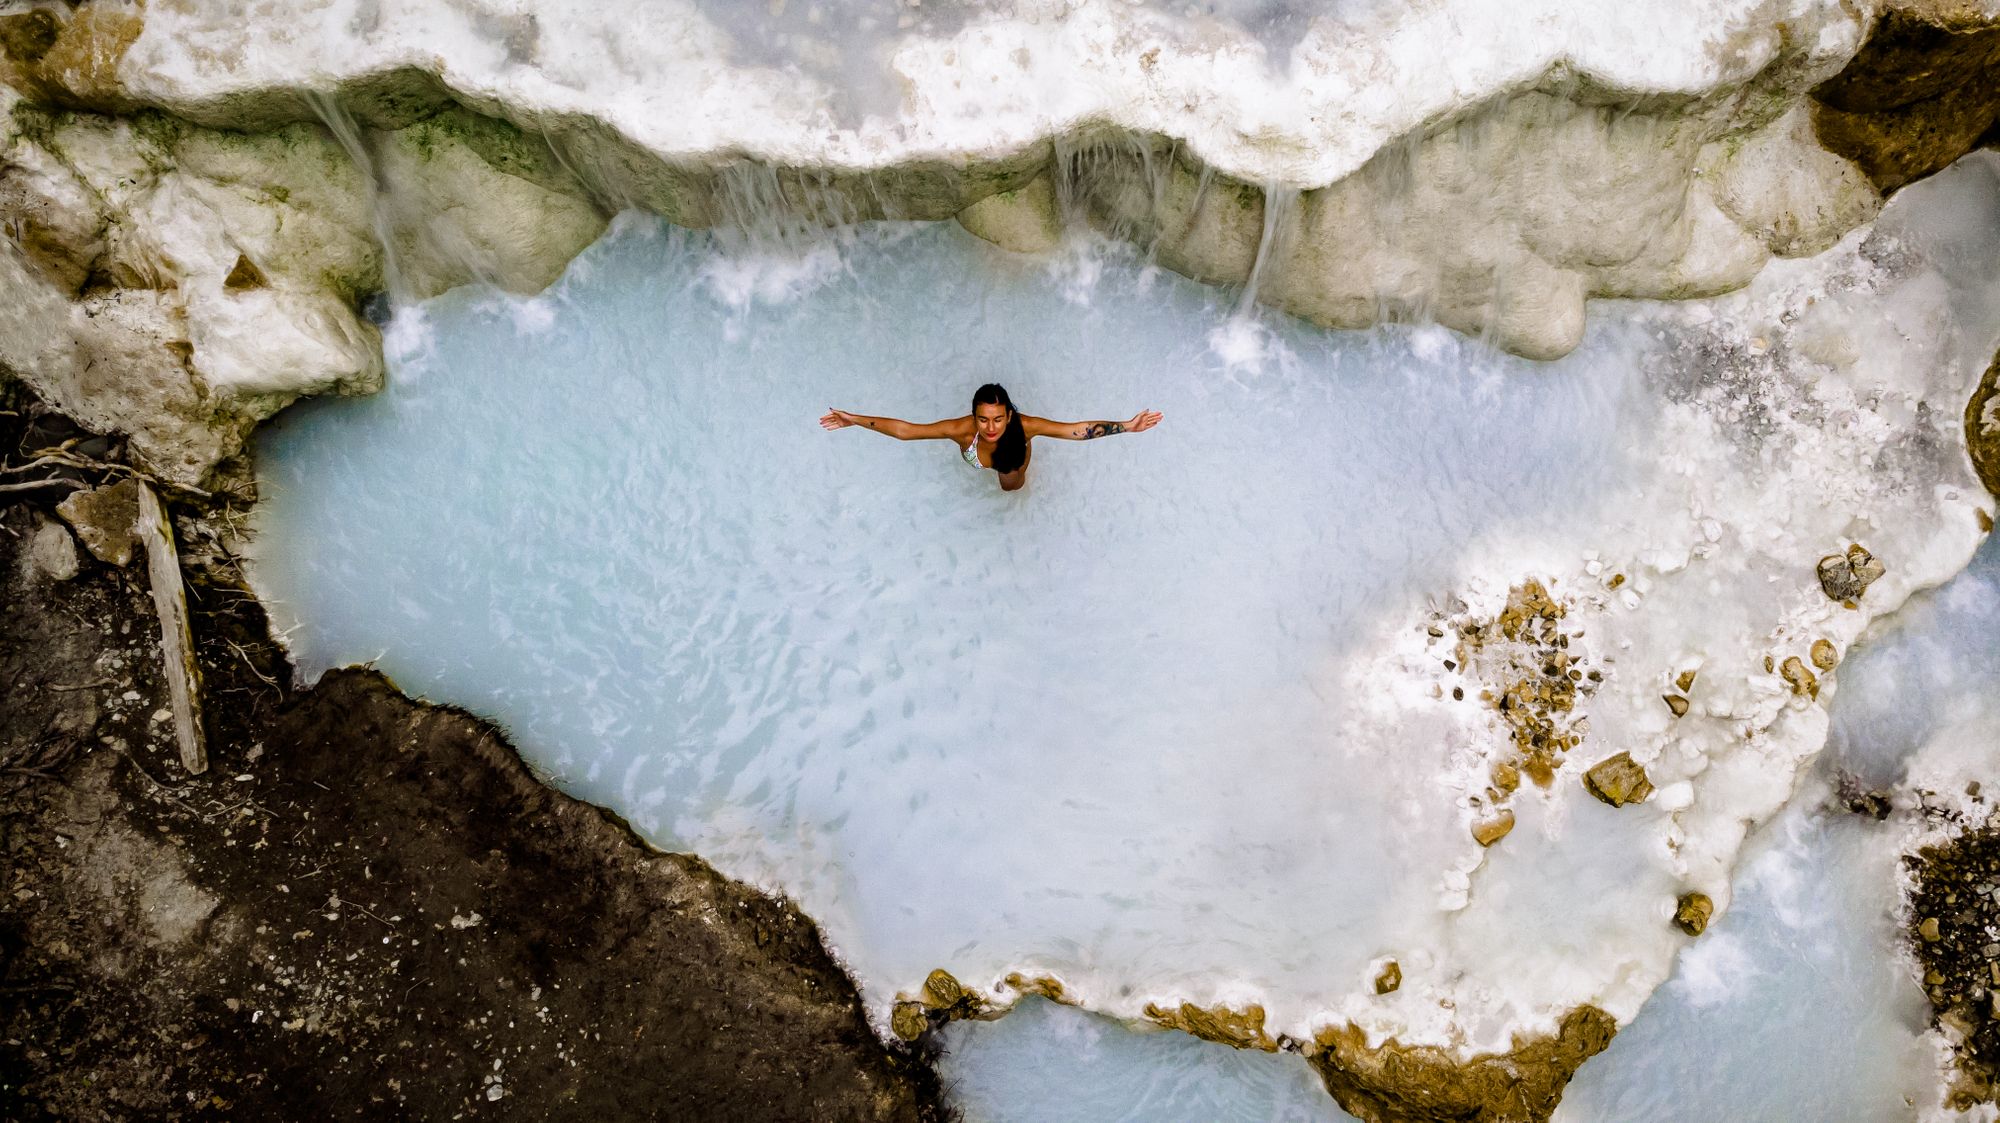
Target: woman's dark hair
[(1012, 448)]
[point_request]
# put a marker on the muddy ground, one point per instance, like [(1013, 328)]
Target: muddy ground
[(366, 907)]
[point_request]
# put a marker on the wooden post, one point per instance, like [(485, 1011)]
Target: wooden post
[(163, 567)]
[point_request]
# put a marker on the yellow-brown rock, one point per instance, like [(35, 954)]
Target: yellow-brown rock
[(1046, 986), (1803, 682), (1922, 91), (1389, 978), (1493, 828), (1676, 703), (1395, 1083), (105, 520), (1692, 911), (1240, 1029), (941, 989), (1618, 780), (909, 1020), (70, 58), (1982, 431), (1824, 655)]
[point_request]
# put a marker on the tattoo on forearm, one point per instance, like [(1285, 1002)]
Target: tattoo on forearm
[(1103, 429)]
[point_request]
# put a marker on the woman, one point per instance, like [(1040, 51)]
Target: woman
[(994, 435)]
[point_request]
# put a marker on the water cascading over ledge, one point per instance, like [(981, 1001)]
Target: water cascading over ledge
[(1489, 168), (211, 275)]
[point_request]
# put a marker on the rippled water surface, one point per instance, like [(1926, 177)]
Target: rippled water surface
[(1092, 725), (1090, 722)]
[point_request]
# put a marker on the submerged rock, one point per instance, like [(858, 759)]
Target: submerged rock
[(1845, 577), (1618, 780)]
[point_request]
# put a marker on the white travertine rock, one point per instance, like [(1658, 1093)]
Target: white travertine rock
[(161, 349), (453, 218), (1779, 184), (1489, 169), (1025, 220)]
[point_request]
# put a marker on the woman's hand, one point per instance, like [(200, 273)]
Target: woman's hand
[(1146, 419), (836, 419)]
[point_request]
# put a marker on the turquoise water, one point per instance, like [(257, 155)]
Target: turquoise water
[(813, 657), (1089, 727)]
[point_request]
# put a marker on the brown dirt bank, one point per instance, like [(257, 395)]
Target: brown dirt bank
[(366, 907)]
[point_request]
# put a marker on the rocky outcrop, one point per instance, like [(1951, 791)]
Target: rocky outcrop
[(1982, 428), (1923, 90), (1392, 1083), (1500, 216)]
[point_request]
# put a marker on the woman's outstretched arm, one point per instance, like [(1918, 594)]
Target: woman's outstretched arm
[(1085, 430), (901, 430)]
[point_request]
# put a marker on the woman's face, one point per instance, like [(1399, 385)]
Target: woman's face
[(991, 418)]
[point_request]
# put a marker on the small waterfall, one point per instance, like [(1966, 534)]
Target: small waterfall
[(1281, 222), (359, 148), (761, 207), (1115, 183), (430, 240)]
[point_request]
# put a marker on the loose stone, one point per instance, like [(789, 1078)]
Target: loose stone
[(1844, 577), (1929, 930), (1823, 654), (105, 520), (1677, 704), (1804, 683), (1390, 977), (1692, 911), (908, 1020), (53, 551), (1618, 780), (1488, 831)]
